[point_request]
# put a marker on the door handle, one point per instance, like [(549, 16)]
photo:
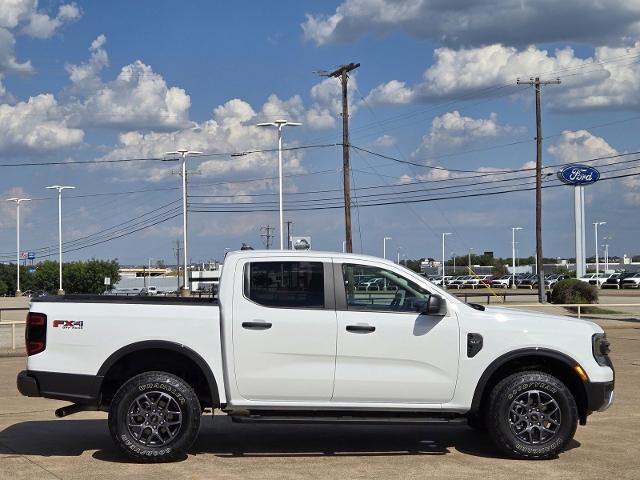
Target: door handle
[(361, 328), (256, 325)]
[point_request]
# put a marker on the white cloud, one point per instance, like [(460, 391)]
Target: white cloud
[(85, 78), (393, 92), (326, 105), (23, 16), (41, 25), (138, 98), (581, 145), (232, 129), (452, 130), (469, 22), (610, 78), (385, 141), (37, 125)]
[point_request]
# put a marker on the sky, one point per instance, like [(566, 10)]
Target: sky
[(92, 94)]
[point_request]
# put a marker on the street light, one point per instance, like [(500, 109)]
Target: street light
[(444, 234), (18, 201), (384, 247), (279, 124), (596, 225), (513, 252), (184, 153), (149, 272), (398, 253), (470, 248), (453, 255), (60, 188)]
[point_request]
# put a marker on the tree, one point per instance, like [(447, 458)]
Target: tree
[(88, 277)]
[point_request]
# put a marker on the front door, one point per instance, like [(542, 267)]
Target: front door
[(387, 352), (284, 330)]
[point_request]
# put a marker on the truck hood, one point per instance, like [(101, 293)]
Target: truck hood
[(536, 320)]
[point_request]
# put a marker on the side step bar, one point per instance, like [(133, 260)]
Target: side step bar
[(345, 419)]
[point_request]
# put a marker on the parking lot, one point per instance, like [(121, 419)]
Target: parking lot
[(34, 444)]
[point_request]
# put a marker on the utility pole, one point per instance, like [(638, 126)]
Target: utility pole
[(537, 84), (289, 223), (341, 73), (267, 236)]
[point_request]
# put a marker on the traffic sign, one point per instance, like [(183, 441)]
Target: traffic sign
[(31, 255), (24, 255)]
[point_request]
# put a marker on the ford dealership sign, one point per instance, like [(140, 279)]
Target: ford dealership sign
[(579, 174)]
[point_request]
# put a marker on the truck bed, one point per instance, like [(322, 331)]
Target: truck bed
[(150, 299)]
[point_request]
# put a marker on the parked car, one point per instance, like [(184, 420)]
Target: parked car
[(600, 278), (458, 282), (504, 281), (523, 277), (631, 282), (477, 281), (551, 280), (615, 280), (291, 339), (587, 277)]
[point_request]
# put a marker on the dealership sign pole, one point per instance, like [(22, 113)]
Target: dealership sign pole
[(579, 176)]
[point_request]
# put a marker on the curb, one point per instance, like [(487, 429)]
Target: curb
[(12, 353)]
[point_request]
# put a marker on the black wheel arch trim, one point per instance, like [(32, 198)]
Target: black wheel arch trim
[(507, 357), (165, 345)]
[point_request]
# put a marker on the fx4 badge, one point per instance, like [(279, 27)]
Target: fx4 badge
[(68, 324)]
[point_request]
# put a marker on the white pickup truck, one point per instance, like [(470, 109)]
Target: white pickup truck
[(292, 339)]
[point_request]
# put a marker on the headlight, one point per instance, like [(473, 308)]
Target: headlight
[(601, 349)]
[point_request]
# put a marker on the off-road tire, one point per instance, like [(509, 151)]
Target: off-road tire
[(167, 428), (504, 406)]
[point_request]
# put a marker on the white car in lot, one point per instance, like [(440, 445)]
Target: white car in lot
[(291, 339), (631, 282)]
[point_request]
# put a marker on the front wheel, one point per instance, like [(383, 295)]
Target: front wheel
[(154, 417), (532, 415)]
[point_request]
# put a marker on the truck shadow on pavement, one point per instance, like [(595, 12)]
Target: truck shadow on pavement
[(223, 438)]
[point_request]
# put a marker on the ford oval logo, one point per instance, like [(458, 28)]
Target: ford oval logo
[(579, 174)]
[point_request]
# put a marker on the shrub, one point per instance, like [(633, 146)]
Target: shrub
[(574, 291)]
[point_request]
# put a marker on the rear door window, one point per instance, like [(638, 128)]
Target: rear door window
[(286, 284)]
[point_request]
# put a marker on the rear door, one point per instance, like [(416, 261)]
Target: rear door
[(284, 329), (387, 352)]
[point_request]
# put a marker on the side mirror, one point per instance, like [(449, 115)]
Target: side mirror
[(435, 305)]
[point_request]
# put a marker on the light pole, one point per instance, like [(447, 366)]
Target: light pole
[(384, 247), (596, 225), (398, 254), (18, 201), (444, 234), (279, 124), (60, 188), (149, 272), (606, 257), (184, 153), (470, 248), (513, 252), (453, 255), (344, 246)]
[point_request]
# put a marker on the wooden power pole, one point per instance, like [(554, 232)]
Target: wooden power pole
[(537, 84), (341, 73)]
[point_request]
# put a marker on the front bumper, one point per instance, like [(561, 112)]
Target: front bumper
[(600, 396)]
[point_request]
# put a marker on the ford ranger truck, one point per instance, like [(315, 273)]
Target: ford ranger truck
[(292, 338)]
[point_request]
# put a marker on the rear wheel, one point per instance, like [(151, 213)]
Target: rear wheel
[(155, 417), (532, 415)]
